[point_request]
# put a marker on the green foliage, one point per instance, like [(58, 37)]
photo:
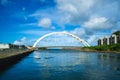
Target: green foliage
[(114, 47), (117, 32)]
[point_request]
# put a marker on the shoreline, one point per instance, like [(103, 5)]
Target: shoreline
[(101, 51), (90, 50), (7, 59), (15, 53)]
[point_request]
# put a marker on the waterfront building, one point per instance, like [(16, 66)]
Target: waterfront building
[(4, 46), (22, 47), (118, 38), (106, 40), (12, 46), (100, 41), (113, 39)]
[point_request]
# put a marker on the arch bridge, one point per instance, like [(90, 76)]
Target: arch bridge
[(64, 33)]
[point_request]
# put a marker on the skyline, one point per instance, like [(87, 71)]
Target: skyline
[(23, 22)]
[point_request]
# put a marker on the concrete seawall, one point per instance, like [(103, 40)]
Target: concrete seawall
[(8, 59)]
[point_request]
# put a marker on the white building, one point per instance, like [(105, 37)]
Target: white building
[(113, 39), (100, 41), (4, 46), (106, 40)]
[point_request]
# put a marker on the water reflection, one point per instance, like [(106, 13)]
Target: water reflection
[(60, 59), (36, 55), (110, 61)]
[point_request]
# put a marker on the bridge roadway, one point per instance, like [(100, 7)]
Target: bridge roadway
[(59, 47)]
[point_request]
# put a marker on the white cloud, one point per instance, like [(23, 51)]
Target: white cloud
[(79, 32), (16, 42), (98, 23), (69, 7), (80, 12), (75, 11), (21, 41), (45, 23), (74, 5), (24, 41)]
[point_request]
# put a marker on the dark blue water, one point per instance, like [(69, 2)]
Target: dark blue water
[(65, 65)]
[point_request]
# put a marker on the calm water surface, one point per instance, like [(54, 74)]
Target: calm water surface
[(65, 65)]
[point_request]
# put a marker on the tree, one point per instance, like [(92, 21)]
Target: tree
[(117, 32)]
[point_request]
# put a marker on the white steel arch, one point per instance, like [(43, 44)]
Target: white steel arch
[(66, 33)]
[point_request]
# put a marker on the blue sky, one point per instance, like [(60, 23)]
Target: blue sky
[(24, 21)]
